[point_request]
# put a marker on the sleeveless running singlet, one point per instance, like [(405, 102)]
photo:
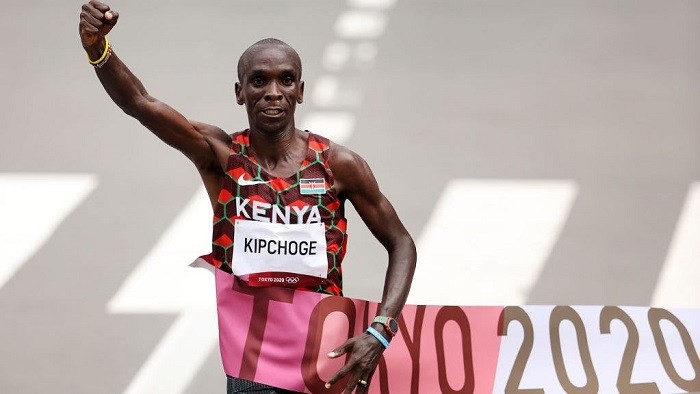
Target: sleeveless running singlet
[(280, 220)]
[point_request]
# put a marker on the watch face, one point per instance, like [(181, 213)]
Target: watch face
[(393, 325)]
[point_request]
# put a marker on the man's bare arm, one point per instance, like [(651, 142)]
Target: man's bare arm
[(355, 181), (199, 142)]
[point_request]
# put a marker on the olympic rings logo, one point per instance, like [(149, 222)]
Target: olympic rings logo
[(292, 280)]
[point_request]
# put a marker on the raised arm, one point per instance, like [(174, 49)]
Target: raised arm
[(356, 182), (198, 141)]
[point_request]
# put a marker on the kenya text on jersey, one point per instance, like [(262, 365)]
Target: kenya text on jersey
[(272, 213)]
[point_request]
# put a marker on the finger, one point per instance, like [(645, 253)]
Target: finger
[(339, 375), (111, 17), (365, 388), (109, 20), (340, 350), (102, 12), (93, 11), (355, 385), (361, 380), (90, 19), (87, 28), (371, 374), (351, 386), (362, 388), (99, 5)]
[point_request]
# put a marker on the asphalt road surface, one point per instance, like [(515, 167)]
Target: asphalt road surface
[(587, 111)]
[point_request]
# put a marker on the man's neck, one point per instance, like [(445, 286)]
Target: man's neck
[(277, 150)]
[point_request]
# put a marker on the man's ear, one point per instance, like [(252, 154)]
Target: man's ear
[(300, 99), (239, 96)]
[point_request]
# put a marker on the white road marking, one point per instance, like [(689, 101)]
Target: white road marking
[(679, 281), (365, 53), (335, 56), (487, 240), (337, 126), (325, 90), (164, 283), (360, 24), (173, 364), (378, 4), (32, 206), (327, 93)]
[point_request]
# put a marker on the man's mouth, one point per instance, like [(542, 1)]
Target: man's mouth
[(272, 111)]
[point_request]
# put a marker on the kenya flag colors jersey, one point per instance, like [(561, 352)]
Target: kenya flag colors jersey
[(305, 206)]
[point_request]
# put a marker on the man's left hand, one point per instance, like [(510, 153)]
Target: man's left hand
[(364, 353)]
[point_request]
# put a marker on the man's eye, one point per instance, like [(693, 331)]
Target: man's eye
[(257, 81), (287, 80)]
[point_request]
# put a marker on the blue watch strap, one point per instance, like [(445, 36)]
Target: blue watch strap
[(379, 337)]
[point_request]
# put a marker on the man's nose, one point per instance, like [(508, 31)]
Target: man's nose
[(274, 92)]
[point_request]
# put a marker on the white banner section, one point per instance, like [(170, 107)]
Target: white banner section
[(591, 349)]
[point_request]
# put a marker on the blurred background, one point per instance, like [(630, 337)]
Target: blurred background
[(539, 152)]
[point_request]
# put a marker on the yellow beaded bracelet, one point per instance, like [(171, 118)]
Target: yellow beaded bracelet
[(104, 54)]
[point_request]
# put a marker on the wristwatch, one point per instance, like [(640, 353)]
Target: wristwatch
[(390, 324)]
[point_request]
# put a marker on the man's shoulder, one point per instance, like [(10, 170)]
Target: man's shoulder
[(209, 129), (340, 156), (350, 170), (211, 132)]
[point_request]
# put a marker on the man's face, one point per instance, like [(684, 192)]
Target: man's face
[(270, 87)]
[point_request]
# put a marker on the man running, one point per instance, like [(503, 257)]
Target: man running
[(272, 177)]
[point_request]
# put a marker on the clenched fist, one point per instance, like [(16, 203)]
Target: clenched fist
[(96, 20)]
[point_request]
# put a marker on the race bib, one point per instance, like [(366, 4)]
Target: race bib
[(270, 254)]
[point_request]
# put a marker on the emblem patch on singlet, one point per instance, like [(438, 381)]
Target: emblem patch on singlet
[(312, 186)]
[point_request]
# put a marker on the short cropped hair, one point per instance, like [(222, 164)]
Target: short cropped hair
[(243, 61)]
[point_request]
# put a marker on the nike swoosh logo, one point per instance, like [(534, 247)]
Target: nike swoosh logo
[(243, 182)]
